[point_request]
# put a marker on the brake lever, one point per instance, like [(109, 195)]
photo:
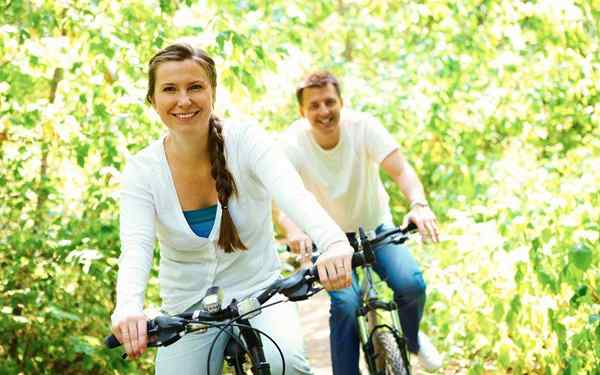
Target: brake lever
[(299, 286), (166, 330), (307, 291), (398, 240)]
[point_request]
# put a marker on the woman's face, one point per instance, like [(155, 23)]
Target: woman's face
[(183, 96)]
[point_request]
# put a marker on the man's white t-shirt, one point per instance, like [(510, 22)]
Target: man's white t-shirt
[(345, 179)]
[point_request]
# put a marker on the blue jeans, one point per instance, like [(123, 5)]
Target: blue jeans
[(398, 268)]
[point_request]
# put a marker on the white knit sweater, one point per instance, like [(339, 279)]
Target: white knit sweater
[(189, 264)]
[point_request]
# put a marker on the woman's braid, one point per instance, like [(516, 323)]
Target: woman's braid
[(229, 238)]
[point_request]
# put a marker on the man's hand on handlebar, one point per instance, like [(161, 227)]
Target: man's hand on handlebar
[(132, 333), (301, 244), (425, 220), (335, 266)]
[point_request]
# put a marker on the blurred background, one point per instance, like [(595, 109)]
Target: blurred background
[(495, 103)]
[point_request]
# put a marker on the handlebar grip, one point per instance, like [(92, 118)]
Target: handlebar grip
[(289, 249), (111, 342)]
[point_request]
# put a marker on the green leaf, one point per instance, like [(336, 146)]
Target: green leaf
[(167, 6), (521, 271), (85, 344), (513, 312), (535, 244), (581, 256), (498, 311), (580, 292), (61, 314), (222, 37), (237, 40), (82, 153), (546, 279), (476, 369), (260, 53)]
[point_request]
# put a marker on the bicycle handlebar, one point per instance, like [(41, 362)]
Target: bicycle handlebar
[(164, 330), (402, 234), (296, 287)]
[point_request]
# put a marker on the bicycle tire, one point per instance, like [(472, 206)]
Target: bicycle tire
[(390, 352)]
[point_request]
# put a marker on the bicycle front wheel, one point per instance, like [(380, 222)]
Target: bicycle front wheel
[(390, 360)]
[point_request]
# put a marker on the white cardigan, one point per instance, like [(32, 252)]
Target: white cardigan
[(189, 264)]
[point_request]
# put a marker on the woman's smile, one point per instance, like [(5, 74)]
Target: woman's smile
[(185, 115)]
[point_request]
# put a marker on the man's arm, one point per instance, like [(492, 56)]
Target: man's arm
[(398, 168)]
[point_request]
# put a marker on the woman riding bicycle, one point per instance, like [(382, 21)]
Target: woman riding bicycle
[(204, 189)]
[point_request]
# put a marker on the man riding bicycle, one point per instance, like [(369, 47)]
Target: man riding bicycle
[(338, 153)]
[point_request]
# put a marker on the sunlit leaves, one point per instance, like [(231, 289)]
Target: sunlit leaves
[(494, 102)]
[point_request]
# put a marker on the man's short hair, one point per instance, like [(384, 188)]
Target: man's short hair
[(318, 79)]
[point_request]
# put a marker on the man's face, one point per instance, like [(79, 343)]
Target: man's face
[(321, 106)]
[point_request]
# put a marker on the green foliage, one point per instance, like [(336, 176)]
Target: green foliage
[(496, 103)]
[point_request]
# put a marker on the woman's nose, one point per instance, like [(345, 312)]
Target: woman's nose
[(183, 99)]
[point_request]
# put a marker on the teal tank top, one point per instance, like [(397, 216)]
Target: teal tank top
[(201, 221)]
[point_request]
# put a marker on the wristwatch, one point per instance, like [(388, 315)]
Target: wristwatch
[(418, 202)]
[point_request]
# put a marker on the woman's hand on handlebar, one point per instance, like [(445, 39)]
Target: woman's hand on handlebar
[(301, 244), (335, 266), (132, 333), (425, 220)]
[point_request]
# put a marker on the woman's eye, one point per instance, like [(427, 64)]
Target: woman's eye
[(196, 87), (169, 89)]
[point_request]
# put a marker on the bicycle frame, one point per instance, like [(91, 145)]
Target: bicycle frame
[(367, 318), (368, 321)]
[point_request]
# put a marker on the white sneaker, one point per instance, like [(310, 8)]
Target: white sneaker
[(429, 358)]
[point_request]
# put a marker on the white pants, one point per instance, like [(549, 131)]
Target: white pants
[(189, 355)]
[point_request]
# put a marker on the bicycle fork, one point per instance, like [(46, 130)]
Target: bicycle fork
[(368, 324), (367, 318), (255, 346)]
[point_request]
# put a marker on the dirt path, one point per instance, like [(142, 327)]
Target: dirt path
[(314, 317)]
